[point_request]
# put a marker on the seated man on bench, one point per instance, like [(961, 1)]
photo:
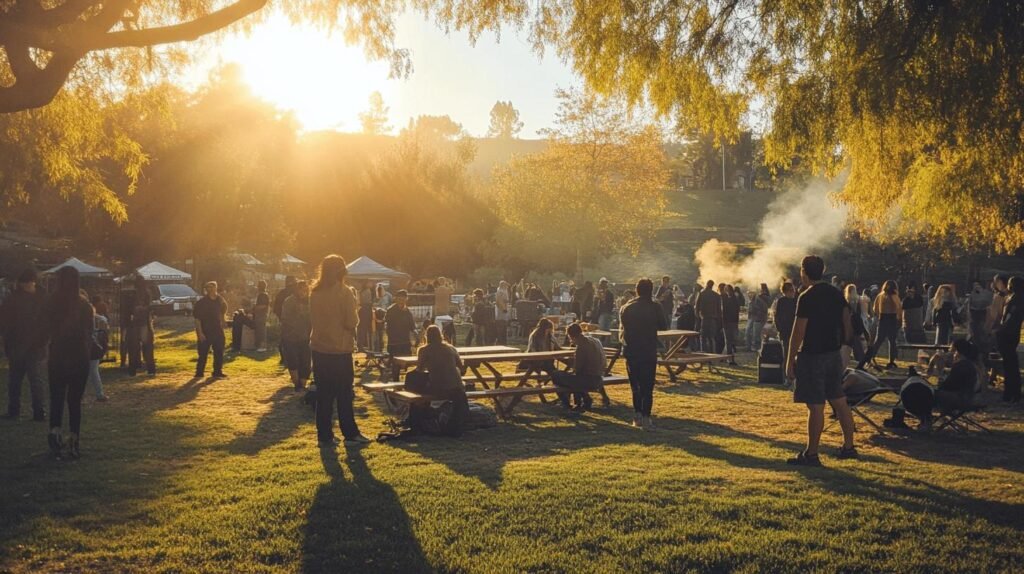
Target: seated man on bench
[(588, 370)]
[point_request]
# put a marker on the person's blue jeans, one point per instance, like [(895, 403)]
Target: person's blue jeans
[(604, 321), (94, 377), (35, 370), (754, 330)]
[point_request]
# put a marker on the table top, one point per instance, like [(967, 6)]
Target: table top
[(486, 349), (499, 357), (669, 333)]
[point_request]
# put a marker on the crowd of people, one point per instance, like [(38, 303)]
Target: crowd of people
[(56, 340)]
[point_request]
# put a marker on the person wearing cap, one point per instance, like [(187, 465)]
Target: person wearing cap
[(400, 326), (209, 312), (21, 325)]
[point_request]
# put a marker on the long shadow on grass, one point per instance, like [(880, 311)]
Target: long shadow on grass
[(286, 413), (484, 454), (357, 524)]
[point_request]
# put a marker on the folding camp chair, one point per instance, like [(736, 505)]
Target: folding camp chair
[(861, 395), (960, 419)]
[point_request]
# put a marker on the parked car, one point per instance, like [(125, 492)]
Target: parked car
[(174, 299)]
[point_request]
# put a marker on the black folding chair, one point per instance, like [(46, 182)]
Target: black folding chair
[(960, 419)]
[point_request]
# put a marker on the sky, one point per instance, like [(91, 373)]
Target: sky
[(284, 63)]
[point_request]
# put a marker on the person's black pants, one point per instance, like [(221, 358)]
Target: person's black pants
[(400, 350), (888, 329), (1011, 371), (67, 383), (334, 377), (297, 357), (217, 344), (641, 381)]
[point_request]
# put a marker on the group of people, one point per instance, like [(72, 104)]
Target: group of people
[(56, 341)]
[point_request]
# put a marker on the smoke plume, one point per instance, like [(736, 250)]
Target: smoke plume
[(799, 222)]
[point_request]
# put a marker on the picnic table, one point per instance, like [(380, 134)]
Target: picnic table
[(474, 362), (674, 357)]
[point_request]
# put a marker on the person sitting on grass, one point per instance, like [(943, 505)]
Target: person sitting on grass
[(400, 326), (588, 370), (822, 324)]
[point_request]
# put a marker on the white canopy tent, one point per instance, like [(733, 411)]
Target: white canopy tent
[(366, 269), (156, 271), (83, 268), (291, 260)]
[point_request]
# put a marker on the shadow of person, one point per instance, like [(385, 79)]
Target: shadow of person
[(356, 523), (280, 422)]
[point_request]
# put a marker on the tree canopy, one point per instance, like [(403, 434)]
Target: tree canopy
[(505, 123), (375, 119)]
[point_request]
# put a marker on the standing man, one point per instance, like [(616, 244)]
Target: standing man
[(1008, 338), (400, 326), (209, 314), (641, 319), (260, 311), (784, 314), (709, 311), (604, 305), (822, 324), (142, 336), (295, 328), (757, 316), (665, 297), (278, 307), (22, 327)]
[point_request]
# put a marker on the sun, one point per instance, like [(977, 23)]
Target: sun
[(308, 71)]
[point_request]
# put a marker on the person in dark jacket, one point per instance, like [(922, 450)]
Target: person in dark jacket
[(400, 326), (757, 316), (604, 305), (584, 296), (443, 365), (209, 312), (641, 319), (665, 297), (730, 319), (1008, 338), (913, 315), (141, 336), (295, 328), (69, 327), (957, 390), (22, 328), (278, 306), (709, 311), (784, 314)]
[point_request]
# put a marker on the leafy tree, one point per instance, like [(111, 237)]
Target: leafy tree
[(505, 122), (375, 119), (599, 186)]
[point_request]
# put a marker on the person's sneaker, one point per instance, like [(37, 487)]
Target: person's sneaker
[(358, 439), (804, 459), (847, 453), (56, 442), (328, 443), (637, 421), (197, 376), (219, 376), (648, 424), (73, 446), (102, 398)]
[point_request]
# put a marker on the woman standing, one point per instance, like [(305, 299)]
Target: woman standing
[(260, 311), (888, 309), (69, 326), (944, 305), (1008, 337), (333, 320), (295, 328), (855, 345)]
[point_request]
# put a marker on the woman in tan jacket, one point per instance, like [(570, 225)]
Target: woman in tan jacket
[(332, 339), (888, 308)]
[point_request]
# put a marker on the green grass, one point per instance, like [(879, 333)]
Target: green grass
[(225, 476)]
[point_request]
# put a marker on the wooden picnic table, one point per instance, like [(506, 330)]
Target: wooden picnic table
[(487, 360), (679, 338)]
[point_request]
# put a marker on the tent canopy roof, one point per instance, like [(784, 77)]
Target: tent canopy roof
[(366, 269), (84, 269), (292, 260), (156, 271)]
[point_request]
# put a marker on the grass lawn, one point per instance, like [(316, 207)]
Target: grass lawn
[(225, 476)]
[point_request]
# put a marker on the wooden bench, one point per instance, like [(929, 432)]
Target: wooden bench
[(514, 394), (378, 386), (679, 363)]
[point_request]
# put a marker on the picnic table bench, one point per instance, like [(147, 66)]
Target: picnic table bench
[(512, 395), (673, 357)]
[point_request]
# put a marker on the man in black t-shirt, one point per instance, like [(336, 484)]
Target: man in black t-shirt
[(209, 314), (822, 324), (400, 326)]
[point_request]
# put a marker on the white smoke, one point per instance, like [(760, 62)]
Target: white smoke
[(799, 222)]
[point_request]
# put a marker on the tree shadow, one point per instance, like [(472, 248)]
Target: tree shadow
[(356, 523)]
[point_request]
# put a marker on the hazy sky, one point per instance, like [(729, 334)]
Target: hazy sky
[(286, 65)]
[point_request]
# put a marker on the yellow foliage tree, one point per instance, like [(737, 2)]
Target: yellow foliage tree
[(599, 186)]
